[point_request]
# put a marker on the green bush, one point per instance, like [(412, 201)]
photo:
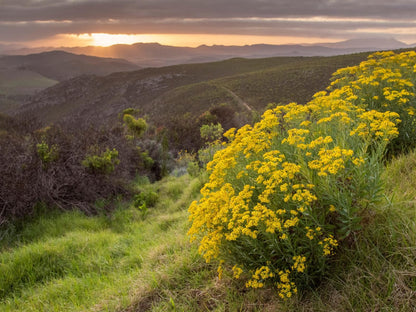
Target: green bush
[(104, 163), (47, 153), (136, 127), (211, 132), (147, 198)]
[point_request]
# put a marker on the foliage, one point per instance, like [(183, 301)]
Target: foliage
[(136, 127), (104, 163), (187, 163), (47, 153), (211, 132), (131, 111), (146, 198), (285, 193)]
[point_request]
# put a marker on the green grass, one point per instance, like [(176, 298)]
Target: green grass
[(130, 262), (15, 81), (70, 262)]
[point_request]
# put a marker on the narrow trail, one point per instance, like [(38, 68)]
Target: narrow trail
[(237, 98)]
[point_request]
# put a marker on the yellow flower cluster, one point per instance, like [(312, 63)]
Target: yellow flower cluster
[(299, 264), (259, 276), (330, 161), (285, 287), (328, 244), (237, 271), (269, 203), (385, 82), (373, 122)]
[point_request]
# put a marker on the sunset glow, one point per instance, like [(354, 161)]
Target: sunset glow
[(105, 40), (188, 40)]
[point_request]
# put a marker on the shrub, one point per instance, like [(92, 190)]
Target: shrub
[(285, 193), (47, 153), (385, 82), (104, 163), (136, 127), (193, 169), (145, 200), (211, 132)]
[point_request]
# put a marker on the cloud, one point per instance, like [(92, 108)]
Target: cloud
[(23, 20)]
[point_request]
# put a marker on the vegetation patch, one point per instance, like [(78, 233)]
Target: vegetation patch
[(285, 194)]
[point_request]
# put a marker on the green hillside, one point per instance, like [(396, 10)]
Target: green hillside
[(161, 92), (60, 65), (16, 84), (14, 81)]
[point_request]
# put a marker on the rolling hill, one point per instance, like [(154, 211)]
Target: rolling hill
[(22, 75), (60, 65), (192, 88)]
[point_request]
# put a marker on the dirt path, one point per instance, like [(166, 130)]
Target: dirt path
[(237, 98)]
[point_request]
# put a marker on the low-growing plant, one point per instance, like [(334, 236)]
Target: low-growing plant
[(211, 132), (104, 163), (148, 198), (47, 153), (193, 169), (284, 194)]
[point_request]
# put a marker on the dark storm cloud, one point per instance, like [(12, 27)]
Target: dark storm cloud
[(15, 10), (22, 20)]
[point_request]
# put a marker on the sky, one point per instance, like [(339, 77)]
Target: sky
[(195, 22)]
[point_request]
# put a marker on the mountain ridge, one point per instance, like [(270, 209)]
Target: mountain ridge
[(157, 55)]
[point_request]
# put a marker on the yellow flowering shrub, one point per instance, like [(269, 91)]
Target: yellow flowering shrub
[(283, 194), (385, 82)]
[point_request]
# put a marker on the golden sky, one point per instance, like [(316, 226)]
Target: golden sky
[(188, 40)]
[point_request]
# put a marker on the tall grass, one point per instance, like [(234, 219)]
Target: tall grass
[(70, 262)]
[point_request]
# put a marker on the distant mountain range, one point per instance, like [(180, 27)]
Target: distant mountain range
[(157, 55)]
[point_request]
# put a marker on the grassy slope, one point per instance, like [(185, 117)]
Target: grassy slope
[(255, 81), (15, 81), (70, 262), (292, 79)]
